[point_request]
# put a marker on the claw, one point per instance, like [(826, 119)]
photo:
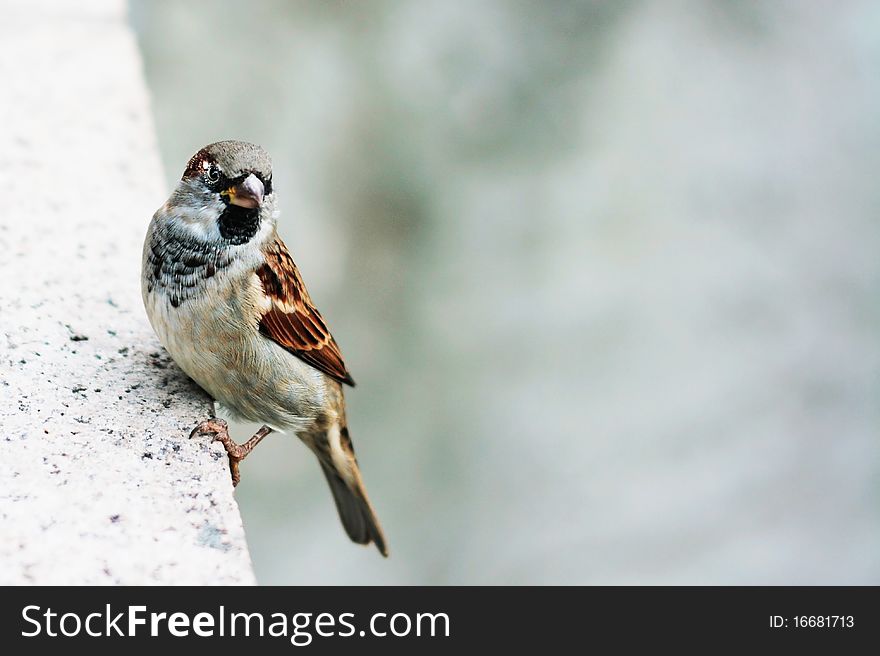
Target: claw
[(208, 427), (236, 452)]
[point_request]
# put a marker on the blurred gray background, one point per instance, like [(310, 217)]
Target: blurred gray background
[(606, 274)]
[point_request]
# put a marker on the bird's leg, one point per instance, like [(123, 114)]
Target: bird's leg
[(236, 452)]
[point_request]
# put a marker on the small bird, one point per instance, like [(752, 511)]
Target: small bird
[(229, 305)]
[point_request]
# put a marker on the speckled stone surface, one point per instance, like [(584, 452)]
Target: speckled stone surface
[(98, 481)]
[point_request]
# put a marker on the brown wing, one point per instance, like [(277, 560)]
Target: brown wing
[(293, 321)]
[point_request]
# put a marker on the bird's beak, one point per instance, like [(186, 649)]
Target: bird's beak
[(248, 193)]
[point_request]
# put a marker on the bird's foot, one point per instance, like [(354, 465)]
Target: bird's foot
[(236, 452), (220, 430)]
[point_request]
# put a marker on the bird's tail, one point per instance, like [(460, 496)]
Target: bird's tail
[(355, 511)]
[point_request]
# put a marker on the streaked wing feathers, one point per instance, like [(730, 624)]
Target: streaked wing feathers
[(293, 321)]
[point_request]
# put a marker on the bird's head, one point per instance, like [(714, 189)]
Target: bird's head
[(225, 193)]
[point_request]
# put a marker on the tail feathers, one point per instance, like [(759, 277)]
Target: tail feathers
[(355, 511)]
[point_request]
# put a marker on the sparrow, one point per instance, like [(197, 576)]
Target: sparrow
[(227, 302)]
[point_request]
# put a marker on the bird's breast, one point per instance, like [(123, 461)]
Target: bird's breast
[(213, 335)]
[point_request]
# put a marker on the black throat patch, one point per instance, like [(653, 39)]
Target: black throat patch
[(238, 225)]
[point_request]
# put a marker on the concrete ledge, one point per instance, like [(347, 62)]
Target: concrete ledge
[(98, 483)]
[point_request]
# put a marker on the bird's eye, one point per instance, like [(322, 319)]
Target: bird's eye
[(268, 186), (212, 174)]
